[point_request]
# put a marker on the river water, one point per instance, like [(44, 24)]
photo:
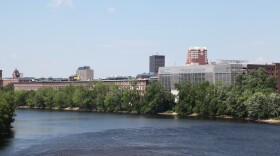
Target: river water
[(38, 132)]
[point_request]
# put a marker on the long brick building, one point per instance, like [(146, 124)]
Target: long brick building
[(272, 70), (128, 84)]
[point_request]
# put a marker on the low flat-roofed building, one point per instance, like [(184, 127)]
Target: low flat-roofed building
[(129, 84), (125, 84), (225, 73), (54, 84)]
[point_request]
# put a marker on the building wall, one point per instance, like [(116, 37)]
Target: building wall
[(128, 84), (156, 61), (197, 55), (37, 85), (85, 73), (7, 81), (140, 85), (225, 73)]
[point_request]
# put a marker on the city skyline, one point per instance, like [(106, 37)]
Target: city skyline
[(51, 38)]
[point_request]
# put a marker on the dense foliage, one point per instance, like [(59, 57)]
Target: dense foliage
[(99, 97), (253, 96), (7, 108)]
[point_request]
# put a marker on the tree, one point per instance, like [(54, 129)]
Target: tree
[(100, 91), (203, 93), (257, 106), (113, 99), (186, 101), (274, 105), (157, 99), (7, 111), (44, 98), (20, 97)]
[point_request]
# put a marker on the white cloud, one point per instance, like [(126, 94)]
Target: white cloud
[(61, 3), (111, 10), (14, 55)]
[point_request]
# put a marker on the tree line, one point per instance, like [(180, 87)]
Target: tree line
[(253, 96), (101, 97)]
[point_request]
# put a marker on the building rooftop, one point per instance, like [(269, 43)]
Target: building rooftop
[(84, 68), (197, 48)]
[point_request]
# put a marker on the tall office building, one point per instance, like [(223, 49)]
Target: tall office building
[(156, 61), (0, 74), (85, 73), (197, 55)]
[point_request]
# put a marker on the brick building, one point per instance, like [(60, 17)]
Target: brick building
[(272, 70), (128, 84), (197, 55)]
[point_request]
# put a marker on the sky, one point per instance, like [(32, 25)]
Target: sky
[(52, 38)]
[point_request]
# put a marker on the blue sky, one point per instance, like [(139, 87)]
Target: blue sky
[(44, 38)]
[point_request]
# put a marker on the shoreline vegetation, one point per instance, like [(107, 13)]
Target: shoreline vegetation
[(253, 97), (168, 113)]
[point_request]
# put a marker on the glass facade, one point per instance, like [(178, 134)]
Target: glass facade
[(225, 73)]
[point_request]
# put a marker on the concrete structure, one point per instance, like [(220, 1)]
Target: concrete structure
[(85, 73), (197, 55), (156, 61), (272, 70), (225, 73)]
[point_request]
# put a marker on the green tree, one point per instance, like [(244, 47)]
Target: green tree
[(274, 105), (100, 91), (113, 99), (257, 106), (7, 111), (20, 97), (186, 100), (44, 97), (203, 93), (157, 99)]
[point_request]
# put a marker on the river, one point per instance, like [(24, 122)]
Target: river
[(38, 132)]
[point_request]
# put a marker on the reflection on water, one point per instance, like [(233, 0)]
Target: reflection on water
[(6, 140), (83, 133)]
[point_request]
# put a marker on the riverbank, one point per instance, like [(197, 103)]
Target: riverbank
[(269, 121), (169, 113)]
